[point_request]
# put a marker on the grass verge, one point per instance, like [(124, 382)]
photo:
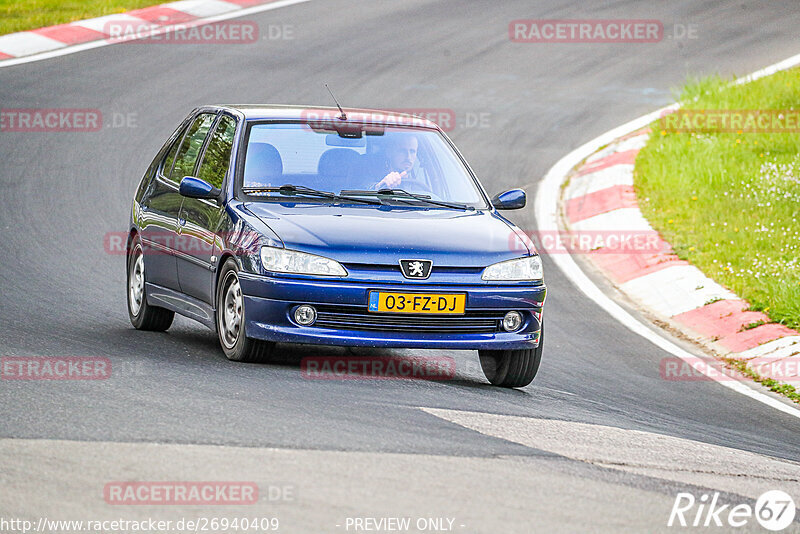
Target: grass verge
[(17, 16), (729, 203), (787, 390)]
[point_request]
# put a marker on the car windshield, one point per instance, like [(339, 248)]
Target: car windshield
[(399, 165)]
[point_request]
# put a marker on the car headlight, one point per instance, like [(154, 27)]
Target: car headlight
[(280, 260), (521, 269)]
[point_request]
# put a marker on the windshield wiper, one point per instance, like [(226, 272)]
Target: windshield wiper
[(291, 189), (401, 194)]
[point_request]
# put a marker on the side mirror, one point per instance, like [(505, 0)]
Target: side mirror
[(513, 199), (196, 188)]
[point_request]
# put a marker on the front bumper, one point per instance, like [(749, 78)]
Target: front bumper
[(270, 301)]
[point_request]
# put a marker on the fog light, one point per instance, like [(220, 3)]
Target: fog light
[(512, 321), (305, 315)]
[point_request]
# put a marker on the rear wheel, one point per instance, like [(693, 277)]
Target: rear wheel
[(230, 320), (512, 368), (143, 316)]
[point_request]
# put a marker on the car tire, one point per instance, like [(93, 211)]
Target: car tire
[(512, 368), (143, 316), (230, 320)]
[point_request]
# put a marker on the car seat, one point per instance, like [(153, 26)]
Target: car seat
[(263, 166)]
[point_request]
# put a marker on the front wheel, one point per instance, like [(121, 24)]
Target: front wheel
[(512, 368), (230, 320)]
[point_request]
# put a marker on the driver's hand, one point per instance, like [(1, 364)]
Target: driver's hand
[(391, 180)]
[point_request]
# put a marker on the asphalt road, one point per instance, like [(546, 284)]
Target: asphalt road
[(519, 108)]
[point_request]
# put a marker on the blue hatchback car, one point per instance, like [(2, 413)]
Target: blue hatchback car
[(336, 227)]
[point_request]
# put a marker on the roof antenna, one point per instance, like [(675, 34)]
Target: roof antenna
[(342, 116)]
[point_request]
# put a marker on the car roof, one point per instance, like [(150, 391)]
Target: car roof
[(323, 113)]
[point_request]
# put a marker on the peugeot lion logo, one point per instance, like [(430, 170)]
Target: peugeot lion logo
[(416, 269)]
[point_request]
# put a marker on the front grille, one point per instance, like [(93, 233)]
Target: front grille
[(395, 268), (359, 318)]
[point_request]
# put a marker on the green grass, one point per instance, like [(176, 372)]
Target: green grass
[(31, 14), (787, 390), (730, 202)]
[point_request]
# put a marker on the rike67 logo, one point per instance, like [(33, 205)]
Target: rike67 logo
[(774, 510)]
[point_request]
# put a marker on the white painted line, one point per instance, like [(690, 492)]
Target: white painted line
[(23, 43), (675, 290), (103, 42), (203, 8), (660, 456), (777, 348), (596, 181), (620, 220), (772, 69), (546, 207), (100, 24)]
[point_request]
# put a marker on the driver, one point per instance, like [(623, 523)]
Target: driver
[(401, 155)]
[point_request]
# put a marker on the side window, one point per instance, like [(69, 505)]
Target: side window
[(217, 157), (192, 143), (167, 167)]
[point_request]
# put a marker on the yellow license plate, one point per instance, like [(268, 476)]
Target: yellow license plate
[(450, 303)]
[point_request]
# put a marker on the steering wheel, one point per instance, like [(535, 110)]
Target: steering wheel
[(415, 186)]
